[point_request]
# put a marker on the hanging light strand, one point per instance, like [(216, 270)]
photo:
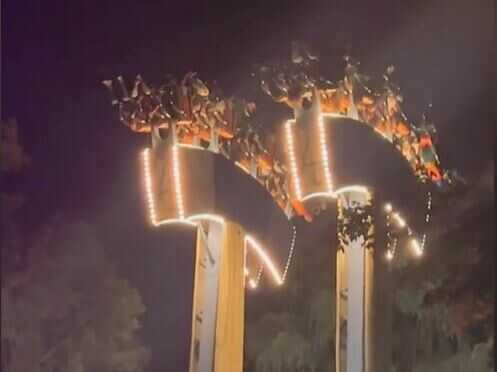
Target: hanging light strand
[(290, 254), (292, 159)]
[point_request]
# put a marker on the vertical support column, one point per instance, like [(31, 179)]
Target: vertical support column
[(219, 299), (231, 302), (354, 283), (207, 269)]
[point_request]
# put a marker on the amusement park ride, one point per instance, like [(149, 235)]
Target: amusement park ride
[(342, 145)]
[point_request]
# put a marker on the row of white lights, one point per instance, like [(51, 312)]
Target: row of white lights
[(290, 254), (268, 263), (193, 220), (177, 183), (324, 154), (390, 250), (401, 223), (427, 217), (292, 159)]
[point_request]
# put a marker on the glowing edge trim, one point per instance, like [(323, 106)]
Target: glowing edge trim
[(335, 194), (290, 254), (177, 183), (264, 257), (292, 159), (418, 248)]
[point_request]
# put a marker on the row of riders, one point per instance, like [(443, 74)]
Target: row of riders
[(200, 116), (352, 97)]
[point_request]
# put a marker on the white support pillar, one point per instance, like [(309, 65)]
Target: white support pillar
[(354, 284), (218, 299), (209, 244)]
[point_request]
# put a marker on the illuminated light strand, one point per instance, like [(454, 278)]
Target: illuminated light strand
[(336, 194), (259, 276), (292, 159), (428, 208), (252, 283), (352, 188), (245, 169), (177, 183), (318, 195), (175, 221), (324, 154), (150, 196), (290, 254), (265, 258), (199, 217), (148, 187), (414, 243), (423, 242), (333, 115), (394, 247), (388, 208), (390, 253), (417, 247), (207, 216), (400, 221), (218, 219), (427, 219), (189, 146)]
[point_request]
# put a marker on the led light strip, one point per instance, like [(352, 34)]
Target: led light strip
[(238, 164), (193, 220), (265, 258), (427, 219), (177, 183), (334, 116), (207, 216), (318, 195), (352, 188), (292, 159), (150, 196), (290, 254), (148, 187), (400, 221), (418, 248), (252, 283), (324, 154), (259, 276), (189, 146), (390, 253), (336, 194)]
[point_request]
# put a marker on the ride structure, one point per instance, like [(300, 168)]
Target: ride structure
[(334, 153)]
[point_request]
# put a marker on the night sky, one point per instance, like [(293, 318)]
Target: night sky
[(55, 54)]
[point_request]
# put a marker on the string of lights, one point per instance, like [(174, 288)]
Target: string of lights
[(292, 159), (256, 165), (255, 283), (324, 154), (264, 258), (418, 248), (177, 183), (196, 219)]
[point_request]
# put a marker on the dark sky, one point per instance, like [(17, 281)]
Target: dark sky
[(55, 53)]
